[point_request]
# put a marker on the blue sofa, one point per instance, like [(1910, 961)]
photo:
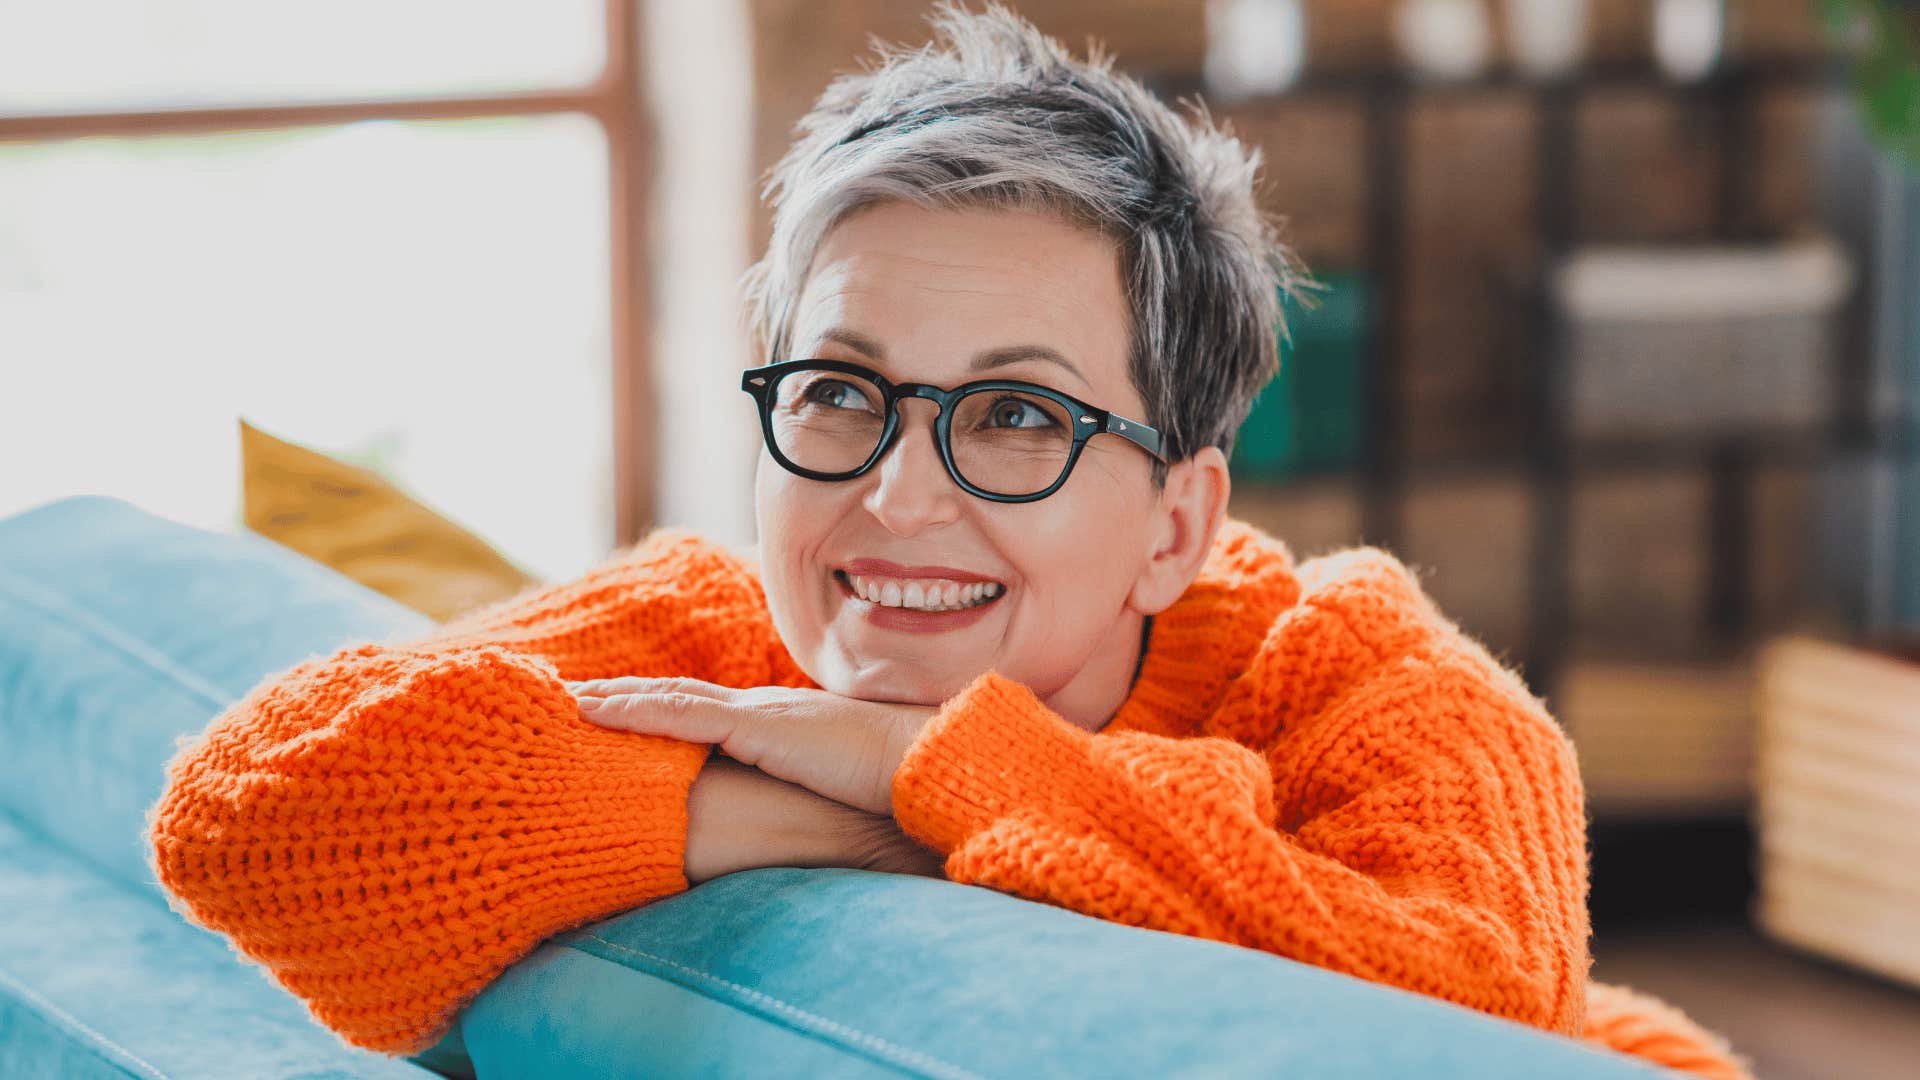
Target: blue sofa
[(121, 631)]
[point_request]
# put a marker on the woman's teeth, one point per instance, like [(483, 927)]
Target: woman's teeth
[(924, 594)]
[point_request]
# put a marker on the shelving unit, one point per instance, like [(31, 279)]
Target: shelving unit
[(1544, 452)]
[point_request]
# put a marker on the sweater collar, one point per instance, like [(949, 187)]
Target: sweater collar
[(1197, 647)]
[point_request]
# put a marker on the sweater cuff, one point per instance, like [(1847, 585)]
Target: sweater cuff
[(993, 749), (388, 830)]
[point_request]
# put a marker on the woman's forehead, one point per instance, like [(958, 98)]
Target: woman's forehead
[(915, 291), (1003, 251)]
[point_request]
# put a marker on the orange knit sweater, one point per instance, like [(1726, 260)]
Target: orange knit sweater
[(1313, 761)]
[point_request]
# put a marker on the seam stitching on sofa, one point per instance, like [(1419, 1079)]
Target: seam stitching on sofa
[(905, 1057), (100, 1045), (138, 651)]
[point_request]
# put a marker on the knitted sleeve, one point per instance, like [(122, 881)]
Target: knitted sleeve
[(674, 604), (388, 827), (1413, 816)]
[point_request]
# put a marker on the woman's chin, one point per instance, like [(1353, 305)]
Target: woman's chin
[(901, 681)]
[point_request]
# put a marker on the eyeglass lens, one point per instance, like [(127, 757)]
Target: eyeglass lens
[(1002, 441)]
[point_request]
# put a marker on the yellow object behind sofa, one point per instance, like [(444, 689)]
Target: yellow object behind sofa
[(357, 522)]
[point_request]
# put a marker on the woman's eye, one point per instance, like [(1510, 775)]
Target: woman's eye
[(1017, 413), (838, 394)]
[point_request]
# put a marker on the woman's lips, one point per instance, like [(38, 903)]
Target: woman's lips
[(883, 568), (915, 620)]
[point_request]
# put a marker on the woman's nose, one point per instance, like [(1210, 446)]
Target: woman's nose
[(913, 492)]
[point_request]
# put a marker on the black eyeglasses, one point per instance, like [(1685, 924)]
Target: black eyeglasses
[(1000, 439)]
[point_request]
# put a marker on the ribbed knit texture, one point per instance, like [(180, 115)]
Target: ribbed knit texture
[(389, 827), (1314, 761)]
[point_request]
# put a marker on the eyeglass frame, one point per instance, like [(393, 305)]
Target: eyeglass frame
[(1088, 421)]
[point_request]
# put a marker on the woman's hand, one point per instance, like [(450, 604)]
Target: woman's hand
[(739, 818), (840, 747)]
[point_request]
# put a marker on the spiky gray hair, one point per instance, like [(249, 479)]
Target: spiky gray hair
[(994, 113)]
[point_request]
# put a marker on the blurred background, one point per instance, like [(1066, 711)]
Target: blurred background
[(1619, 346)]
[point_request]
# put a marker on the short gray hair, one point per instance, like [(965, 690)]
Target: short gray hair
[(1003, 117)]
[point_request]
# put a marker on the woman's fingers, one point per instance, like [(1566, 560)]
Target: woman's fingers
[(747, 730), (636, 684), (843, 748), (675, 713)]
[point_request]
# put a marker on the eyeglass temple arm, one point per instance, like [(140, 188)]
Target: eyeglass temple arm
[(1134, 432)]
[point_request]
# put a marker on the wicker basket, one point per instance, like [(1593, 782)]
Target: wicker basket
[(1700, 341)]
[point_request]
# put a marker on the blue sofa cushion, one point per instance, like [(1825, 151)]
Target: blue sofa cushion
[(120, 631), (98, 980), (846, 972)]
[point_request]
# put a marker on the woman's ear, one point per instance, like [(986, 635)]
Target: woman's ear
[(1192, 505)]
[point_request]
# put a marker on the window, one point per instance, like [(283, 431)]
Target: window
[(401, 233)]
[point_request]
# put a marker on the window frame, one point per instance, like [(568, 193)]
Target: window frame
[(613, 100)]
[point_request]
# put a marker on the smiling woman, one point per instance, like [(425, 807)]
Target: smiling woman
[(1004, 622), (937, 295)]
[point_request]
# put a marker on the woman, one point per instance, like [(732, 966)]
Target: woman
[(1000, 627)]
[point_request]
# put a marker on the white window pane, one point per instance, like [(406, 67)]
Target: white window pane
[(432, 293), (77, 55)]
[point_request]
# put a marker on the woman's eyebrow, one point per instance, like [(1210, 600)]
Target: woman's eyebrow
[(1013, 354), (982, 361)]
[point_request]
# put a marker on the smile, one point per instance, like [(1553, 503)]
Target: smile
[(919, 594)]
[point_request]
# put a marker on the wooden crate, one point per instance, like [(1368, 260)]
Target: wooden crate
[(1838, 796)]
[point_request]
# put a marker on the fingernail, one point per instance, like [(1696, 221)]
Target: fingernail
[(591, 703)]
